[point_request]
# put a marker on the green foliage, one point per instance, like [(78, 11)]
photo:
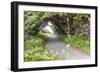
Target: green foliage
[(35, 49), (34, 42), (43, 35), (77, 42), (72, 24), (39, 54)]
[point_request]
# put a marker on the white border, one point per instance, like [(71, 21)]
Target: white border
[(22, 64)]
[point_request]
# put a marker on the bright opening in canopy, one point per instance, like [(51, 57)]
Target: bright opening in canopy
[(48, 28)]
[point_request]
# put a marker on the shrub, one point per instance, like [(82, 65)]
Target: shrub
[(35, 50)]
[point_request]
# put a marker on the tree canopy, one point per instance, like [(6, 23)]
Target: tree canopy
[(77, 24)]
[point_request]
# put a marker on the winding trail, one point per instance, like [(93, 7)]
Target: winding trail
[(56, 46)]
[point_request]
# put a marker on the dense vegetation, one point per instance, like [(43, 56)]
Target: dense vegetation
[(68, 23), (35, 49), (78, 42), (73, 29)]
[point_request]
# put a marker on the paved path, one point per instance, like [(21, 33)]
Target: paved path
[(56, 46)]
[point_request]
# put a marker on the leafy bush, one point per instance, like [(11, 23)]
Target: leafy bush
[(34, 42), (38, 54), (35, 50)]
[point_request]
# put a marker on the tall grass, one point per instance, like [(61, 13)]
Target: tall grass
[(77, 42)]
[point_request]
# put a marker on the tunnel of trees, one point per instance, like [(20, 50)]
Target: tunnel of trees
[(69, 24)]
